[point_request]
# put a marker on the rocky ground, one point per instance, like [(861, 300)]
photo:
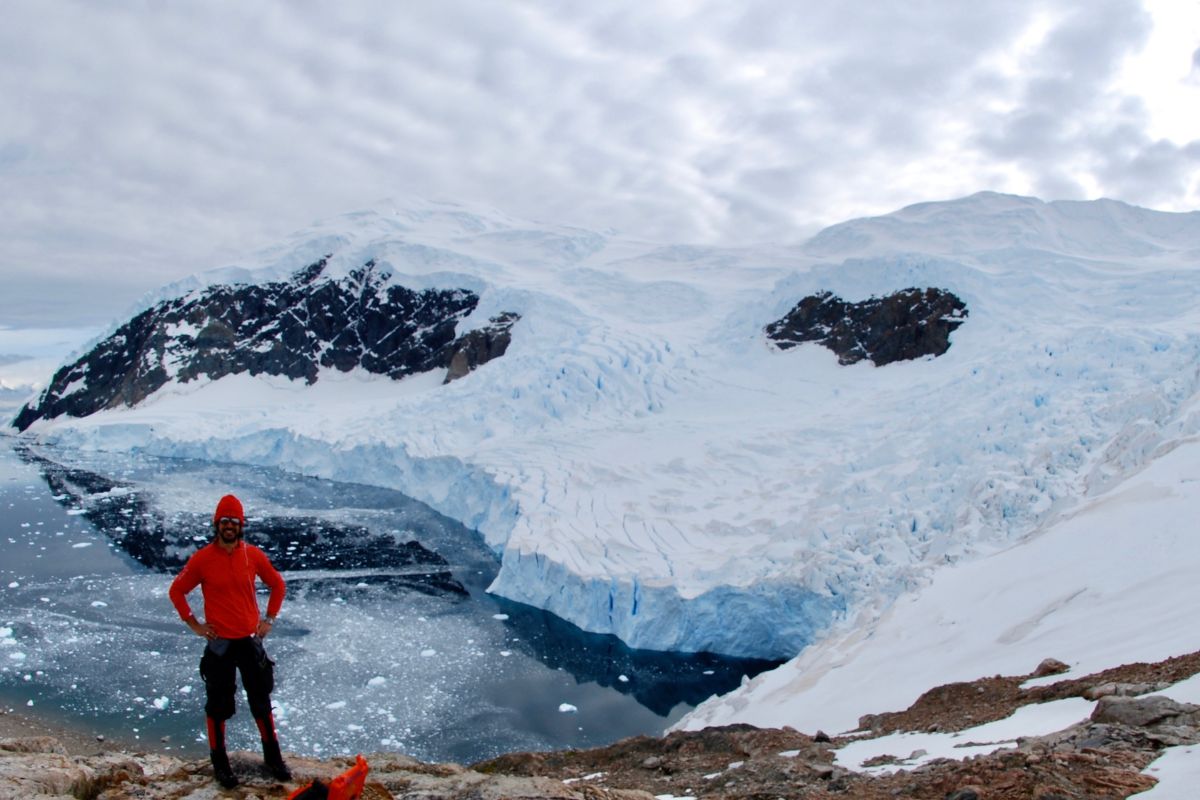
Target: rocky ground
[(1100, 758)]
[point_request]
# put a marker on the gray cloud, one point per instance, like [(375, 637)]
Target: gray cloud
[(144, 143), (1068, 124)]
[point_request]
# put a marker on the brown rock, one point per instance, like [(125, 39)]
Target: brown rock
[(33, 744), (39, 767), (1050, 666)]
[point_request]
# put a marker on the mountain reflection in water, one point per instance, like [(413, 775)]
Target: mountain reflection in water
[(402, 581)]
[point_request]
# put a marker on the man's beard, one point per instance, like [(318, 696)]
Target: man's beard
[(230, 535)]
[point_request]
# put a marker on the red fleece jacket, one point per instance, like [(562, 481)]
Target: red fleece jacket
[(227, 582)]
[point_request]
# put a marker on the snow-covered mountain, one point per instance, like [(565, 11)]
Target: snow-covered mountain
[(652, 462)]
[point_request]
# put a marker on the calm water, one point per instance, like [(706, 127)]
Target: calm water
[(387, 640)]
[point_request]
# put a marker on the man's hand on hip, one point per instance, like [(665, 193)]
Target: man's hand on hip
[(202, 629)]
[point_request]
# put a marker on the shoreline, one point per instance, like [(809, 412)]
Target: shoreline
[(74, 736)]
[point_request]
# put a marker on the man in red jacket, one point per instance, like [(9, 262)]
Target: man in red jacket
[(225, 570)]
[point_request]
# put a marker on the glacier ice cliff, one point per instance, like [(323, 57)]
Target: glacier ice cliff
[(648, 464)]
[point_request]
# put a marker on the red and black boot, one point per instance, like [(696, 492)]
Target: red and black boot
[(271, 755), (216, 751)]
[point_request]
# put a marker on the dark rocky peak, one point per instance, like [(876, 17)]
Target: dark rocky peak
[(311, 272), (291, 328), (906, 325)]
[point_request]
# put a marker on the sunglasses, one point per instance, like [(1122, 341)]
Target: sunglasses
[(229, 521)]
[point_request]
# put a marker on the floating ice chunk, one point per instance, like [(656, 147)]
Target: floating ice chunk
[(506, 653), (99, 604), (75, 512), (13, 585), (500, 617), (17, 656), (428, 653), (353, 727), (81, 544), (623, 678), (161, 703), (567, 708), (185, 689), (378, 680), (334, 706)]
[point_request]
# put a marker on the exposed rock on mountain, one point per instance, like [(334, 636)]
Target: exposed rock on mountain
[(900, 327), (287, 328), (480, 346)]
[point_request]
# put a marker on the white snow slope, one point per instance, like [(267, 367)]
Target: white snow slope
[(650, 466)]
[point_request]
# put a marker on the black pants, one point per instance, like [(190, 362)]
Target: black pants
[(222, 657)]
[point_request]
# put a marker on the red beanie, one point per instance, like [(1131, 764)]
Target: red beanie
[(229, 506)]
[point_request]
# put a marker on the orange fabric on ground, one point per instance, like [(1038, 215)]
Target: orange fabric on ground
[(347, 786), (227, 582)]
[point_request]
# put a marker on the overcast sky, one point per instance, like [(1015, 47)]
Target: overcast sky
[(143, 141)]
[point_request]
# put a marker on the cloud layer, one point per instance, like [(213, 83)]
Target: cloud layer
[(146, 141)]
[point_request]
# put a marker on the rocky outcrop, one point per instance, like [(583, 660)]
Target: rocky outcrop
[(1155, 711), (290, 328), (39, 769), (909, 324), (1101, 757), (957, 706), (480, 346)]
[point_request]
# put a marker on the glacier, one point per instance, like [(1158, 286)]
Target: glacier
[(648, 465)]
